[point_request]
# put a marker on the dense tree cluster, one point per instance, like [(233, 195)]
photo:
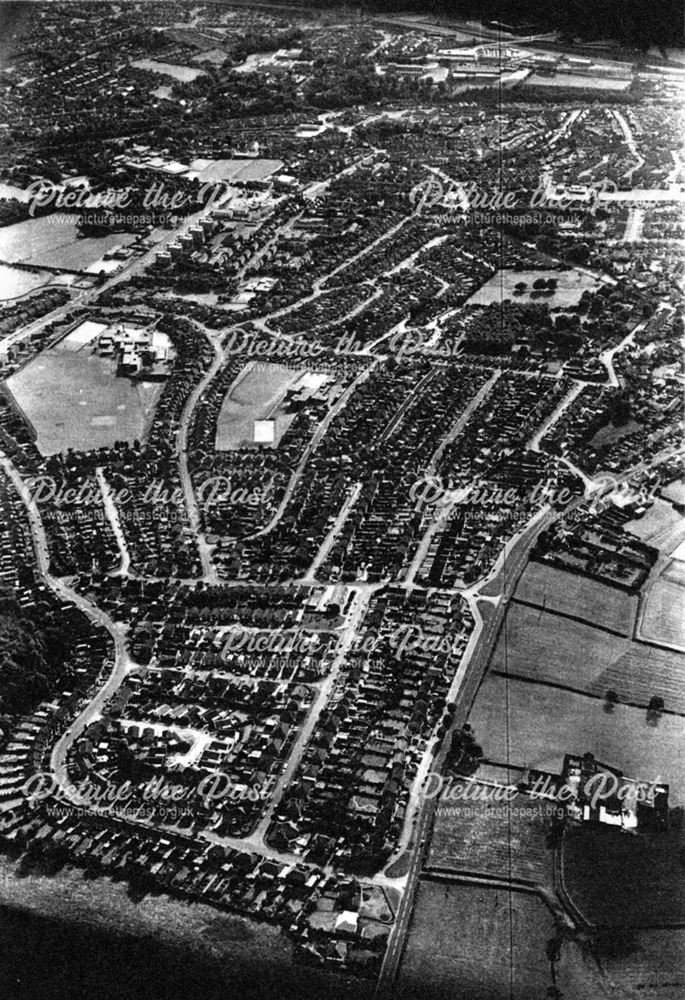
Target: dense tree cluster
[(33, 647)]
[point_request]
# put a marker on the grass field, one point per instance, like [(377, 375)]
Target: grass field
[(664, 614), (544, 723), (475, 943), (255, 397), (625, 881), (53, 241), (74, 400), (184, 73), (545, 647), (660, 517), (506, 839), (249, 169), (570, 286), (577, 82), (572, 594)]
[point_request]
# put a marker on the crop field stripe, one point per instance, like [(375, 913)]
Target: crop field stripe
[(573, 618), (573, 690)]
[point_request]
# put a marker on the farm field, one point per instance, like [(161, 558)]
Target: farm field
[(663, 619), (573, 594), (540, 646), (255, 397), (476, 943), (505, 839), (74, 400), (653, 965), (625, 881), (544, 723), (570, 286)]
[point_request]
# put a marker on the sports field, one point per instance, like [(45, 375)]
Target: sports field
[(75, 400), (573, 594), (248, 169), (539, 724), (256, 396), (570, 286)]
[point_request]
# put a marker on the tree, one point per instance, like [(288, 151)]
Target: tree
[(610, 700), (656, 703)]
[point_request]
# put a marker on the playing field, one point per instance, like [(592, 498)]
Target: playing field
[(75, 400), (573, 594), (256, 396), (476, 943), (536, 725), (577, 82), (54, 241), (248, 169), (570, 286)]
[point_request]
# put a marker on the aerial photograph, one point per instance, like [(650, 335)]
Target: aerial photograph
[(342, 500)]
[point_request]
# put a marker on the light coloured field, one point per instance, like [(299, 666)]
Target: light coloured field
[(53, 241), (75, 400), (570, 286), (14, 282), (255, 397), (544, 723), (577, 82), (675, 493), (664, 614), (659, 520), (468, 942), (572, 594), (217, 56), (248, 169), (545, 647), (183, 73)]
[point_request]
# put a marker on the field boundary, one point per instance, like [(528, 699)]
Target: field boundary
[(574, 618), (567, 687)]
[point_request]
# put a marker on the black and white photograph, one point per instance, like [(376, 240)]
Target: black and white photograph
[(342, 500)]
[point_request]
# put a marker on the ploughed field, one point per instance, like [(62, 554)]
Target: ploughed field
[(538, 646), (475, 942), (502, 839), (579, 596)]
